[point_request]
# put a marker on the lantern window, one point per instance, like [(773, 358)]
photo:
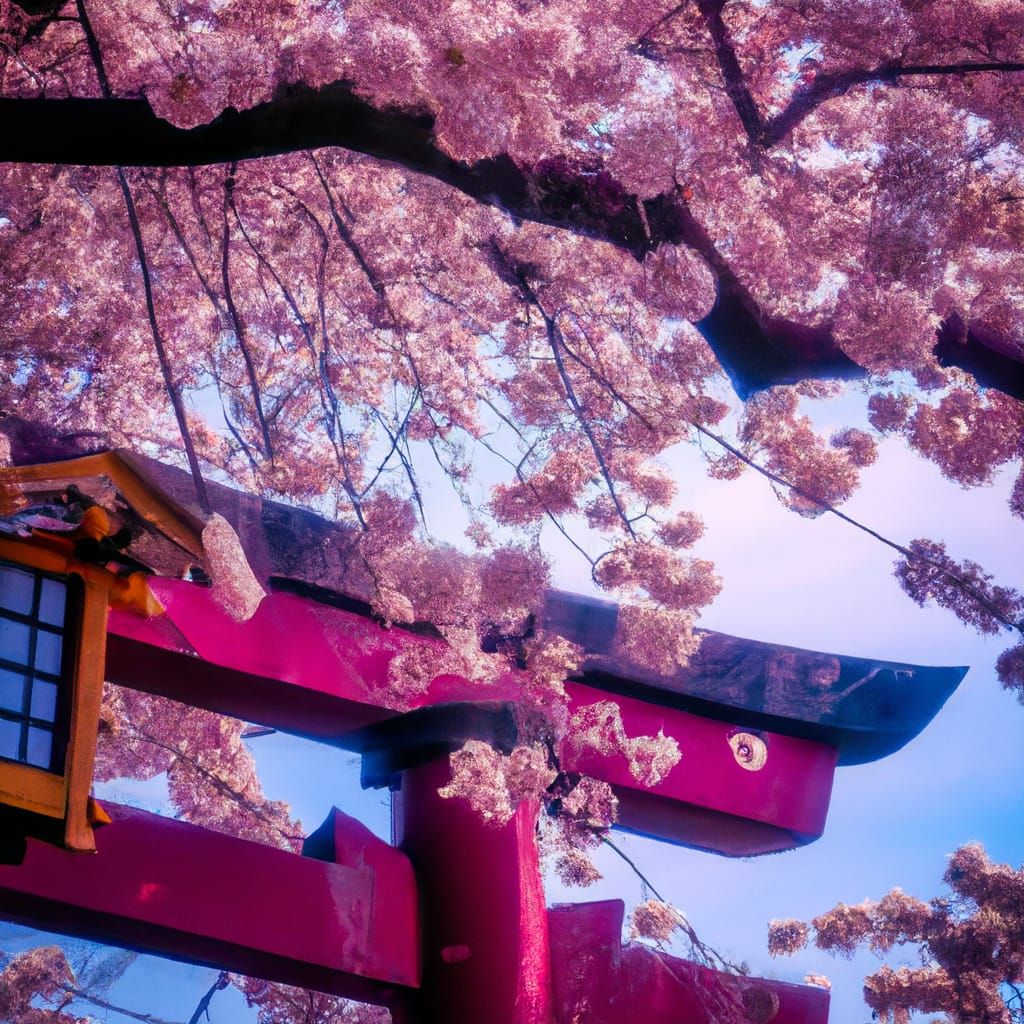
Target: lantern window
[(35, 672)]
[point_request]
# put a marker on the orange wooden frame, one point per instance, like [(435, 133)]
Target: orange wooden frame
[(66, 794)]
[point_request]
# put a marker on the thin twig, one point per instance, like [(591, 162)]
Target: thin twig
[(204, 1004), (639, 874), (533, 490), (328, 400), (706, 953), (556, 344), (642, 41), (375, 282), (959, 581), (236, 319), (158, 343)]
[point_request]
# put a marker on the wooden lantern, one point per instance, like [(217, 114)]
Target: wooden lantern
[(53, 633), (55, 592)]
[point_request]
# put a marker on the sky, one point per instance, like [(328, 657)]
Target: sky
[(817, 584)]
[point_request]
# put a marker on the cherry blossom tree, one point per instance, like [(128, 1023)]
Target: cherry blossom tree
[(971, 944), (375, 236), (312, 249), (281, 1004)]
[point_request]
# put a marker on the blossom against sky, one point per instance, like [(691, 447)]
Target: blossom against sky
[(819, 585)]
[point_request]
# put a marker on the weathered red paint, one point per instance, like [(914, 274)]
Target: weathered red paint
[(597, 980), (296, 664), (307, 667), (167, 887), (485, 942)]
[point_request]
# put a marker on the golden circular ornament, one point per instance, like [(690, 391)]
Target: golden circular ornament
[(750, 751)]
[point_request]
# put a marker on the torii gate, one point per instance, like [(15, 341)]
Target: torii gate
[(449, 923)]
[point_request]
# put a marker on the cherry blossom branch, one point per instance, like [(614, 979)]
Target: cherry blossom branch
[(378, 286), (46, 13), (645, 881), (173, 391), (325, 390), (171, 386), (913, 555), (516, 276), (523, 479), (765, 133), (1016, 1012), (601, 379), (332, 418), (243, 445), (375, 282), (323, 383), (828, 85), (916, 556), (732, 74), (31, 72), (160, 195), (233, 795), (286, 294), (555, 342), (126, 132), (213, 298), (347, 239)]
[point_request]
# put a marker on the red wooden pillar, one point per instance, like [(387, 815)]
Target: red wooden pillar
[(486, 956)]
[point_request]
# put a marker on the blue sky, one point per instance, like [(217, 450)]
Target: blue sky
[(811, 583)]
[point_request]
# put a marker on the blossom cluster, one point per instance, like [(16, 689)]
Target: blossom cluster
[(971, 943)]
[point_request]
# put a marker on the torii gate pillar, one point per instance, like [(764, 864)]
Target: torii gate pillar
[(486, 954)]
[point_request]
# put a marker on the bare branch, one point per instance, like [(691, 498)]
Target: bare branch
[(236, 319), (701, 950), (80, 995), (219, 985)]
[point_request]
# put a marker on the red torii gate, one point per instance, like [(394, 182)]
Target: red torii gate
[(449, 923)]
